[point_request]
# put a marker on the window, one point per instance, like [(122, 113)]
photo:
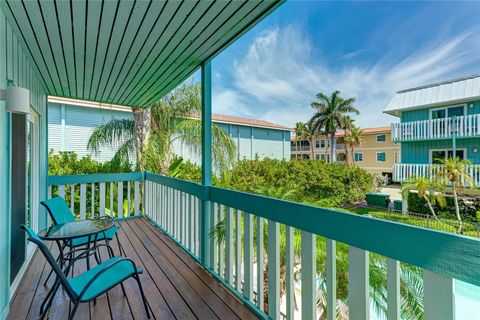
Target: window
[(436, 156), (381, 157), (322, 143), (317, 143), (358, 157), (395, 157), (381, 138), (317, 157), (442, 113)]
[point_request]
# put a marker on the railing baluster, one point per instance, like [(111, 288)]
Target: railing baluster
[(72, 198), (273, 269), (393, 289), (92, 210), (229, 245), (221, 244), (308, 276), (238, 252), (289, 279), (331, 279), (120, 200), (358, 288), (61, 191), (102, 199), (83, 200), (439, 296), (128, 198), (248, 255), (111, 199), (137, 198)]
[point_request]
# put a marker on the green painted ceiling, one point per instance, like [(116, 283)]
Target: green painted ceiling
[(126, 52)]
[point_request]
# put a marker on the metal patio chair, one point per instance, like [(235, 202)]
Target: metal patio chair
[(60, 213), (90, 284)]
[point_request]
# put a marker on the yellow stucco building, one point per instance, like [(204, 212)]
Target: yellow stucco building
[(377, 153)]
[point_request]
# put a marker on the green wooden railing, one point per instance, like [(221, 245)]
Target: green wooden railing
[(238, 258)]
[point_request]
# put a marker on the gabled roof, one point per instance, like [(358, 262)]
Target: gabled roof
[(126, 52), (446, 92)]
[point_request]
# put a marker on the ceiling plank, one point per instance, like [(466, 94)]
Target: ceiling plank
[(64, 18), (79, 9), (137, 46), (138, 20), (126, 10), (183, 41), (49, 17), (175, 21), (94, 14)]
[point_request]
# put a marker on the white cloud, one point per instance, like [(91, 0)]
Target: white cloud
[(278, 77)]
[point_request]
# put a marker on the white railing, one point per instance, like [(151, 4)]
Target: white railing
[(463, 126), (116, 195), (340, 146), (276, 274), (300, 148), (403, 171)]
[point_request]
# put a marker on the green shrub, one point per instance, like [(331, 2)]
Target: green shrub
[(313, 180), (468, 207), (68, 163)]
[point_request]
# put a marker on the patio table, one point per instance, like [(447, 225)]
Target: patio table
[(64, 235)]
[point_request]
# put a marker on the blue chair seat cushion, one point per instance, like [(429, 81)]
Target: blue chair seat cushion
[(110, 233), (110, 278)]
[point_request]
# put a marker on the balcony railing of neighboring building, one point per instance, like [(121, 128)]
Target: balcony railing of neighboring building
[(176, 205), (340, 146), (462, 126), (300, 148), (403, 171)]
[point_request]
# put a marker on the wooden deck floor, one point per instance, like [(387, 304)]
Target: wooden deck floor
[(175, 285)]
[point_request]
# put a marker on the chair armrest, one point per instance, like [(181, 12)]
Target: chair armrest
[(94, 278)]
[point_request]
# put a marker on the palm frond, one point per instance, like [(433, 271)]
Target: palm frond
[(111, 134)]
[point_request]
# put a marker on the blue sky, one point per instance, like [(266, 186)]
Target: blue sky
[(368, 50)]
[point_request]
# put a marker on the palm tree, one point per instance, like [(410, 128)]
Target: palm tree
[(354, 139), (330, 114), (454, 172), (429, 190), (348, 125), (309, 133), (151, 136), (299, 128)]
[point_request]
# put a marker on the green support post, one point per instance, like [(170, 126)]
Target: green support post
[(206, 160)]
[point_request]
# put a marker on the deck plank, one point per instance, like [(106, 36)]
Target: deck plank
[(176, 286)]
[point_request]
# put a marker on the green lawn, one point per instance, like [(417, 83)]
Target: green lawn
[(468, 229)]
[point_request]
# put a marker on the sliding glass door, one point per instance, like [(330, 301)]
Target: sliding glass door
[(32, 175)]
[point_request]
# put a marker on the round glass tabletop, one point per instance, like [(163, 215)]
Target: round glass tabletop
[(71, 230)]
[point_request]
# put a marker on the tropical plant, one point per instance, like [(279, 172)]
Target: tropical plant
[(429, 190), (299, 128), (353, 139), (151, 135), (454, 172), (330, 115), (308, 132)]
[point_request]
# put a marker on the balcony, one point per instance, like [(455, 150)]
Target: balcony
[(300, 148), (403, 171), (189, 273), (462, 127)]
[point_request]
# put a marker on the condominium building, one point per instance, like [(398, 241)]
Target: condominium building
[(437, 121), (377, 153)]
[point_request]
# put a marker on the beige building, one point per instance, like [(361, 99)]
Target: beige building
[(376, 154)]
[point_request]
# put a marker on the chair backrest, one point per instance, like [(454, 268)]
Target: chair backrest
[(33, 237), (58, 209)]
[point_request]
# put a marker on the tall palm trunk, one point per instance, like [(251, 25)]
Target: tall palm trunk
[(310, 140), (455, 200), (430, 207), (143, 120), (332, 151)]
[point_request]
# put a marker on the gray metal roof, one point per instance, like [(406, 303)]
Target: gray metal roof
[(451, 91)]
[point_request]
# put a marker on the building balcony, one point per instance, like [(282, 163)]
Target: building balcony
[(300, 148), (403, 171), (432, 129), (190, 274)]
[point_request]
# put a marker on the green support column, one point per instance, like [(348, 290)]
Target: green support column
[(206, 160)]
